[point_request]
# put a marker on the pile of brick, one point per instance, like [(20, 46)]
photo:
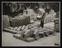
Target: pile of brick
[(56, 24), (5, 20), (30, 32), (20, 21), (33, 33)]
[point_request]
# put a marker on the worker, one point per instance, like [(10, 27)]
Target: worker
[(45, 11), (42, 13)]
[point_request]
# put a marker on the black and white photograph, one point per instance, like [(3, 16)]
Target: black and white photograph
[(30, 23)]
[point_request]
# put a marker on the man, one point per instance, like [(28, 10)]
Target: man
[(46, 11), (42, 13)]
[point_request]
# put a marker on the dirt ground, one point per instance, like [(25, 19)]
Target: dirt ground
[(9, 40)]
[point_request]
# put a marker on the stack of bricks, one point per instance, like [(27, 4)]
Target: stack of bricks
[(56, 24), (56, 21), (6, 22), (19, 22)]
